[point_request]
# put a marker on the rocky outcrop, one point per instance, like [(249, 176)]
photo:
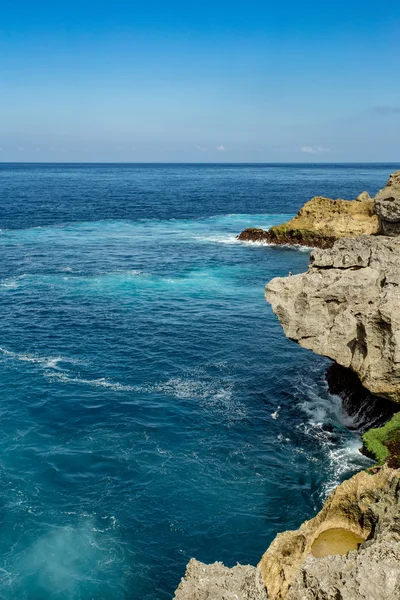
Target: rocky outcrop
[(253, 234), (346, 520), (217, 582), (350, 550), (387, 206), (346, 307), (320, 222), (373, 571)]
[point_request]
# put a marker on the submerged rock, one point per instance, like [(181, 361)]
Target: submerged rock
[(346, 307), (217, 582), (387, 206)]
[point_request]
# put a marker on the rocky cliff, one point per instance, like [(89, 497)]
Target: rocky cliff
[(346, 307), (350, 550), (387, 206), (320, 222)]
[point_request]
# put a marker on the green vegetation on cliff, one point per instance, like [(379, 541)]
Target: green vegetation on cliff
[(383, 443)]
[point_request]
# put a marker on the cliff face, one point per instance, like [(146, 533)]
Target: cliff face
[(322, 221), (387, 206), (346, 307)]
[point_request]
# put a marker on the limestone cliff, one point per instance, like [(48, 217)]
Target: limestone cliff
[(320, 222), (387, 206), (217, 582), (353, 513), (346, 307), (350, 550)]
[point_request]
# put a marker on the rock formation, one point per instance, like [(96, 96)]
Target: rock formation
[(348, 518), (387, 206), (346, 307), (320, 222), (217, 582), (350, 550), (253, 234), (370, 573)]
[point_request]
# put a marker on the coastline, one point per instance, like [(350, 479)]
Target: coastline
[(352, 528)]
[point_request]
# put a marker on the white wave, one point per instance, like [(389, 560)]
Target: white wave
[(344, 460), (327, 424), (47, 362), (275, 414), (218, 239), (9, 283), (101, 382), (212, 394)]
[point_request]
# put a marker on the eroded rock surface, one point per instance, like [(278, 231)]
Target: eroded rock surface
[(217, 582), (352, 509), (370, 573), (359, 558), (320, 222), (347, 307), (387, 206)]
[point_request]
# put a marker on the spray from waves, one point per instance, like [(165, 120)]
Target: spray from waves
[(233, 239), (330, 427), (64, 559)]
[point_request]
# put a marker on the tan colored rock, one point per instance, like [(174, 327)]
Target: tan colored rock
[(370, 573), (349, 516), (325, 219), (347, 307)]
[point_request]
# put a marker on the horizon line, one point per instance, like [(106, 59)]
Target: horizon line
[(72, 162)]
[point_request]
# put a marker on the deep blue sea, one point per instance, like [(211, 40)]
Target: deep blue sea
[(151, 408)]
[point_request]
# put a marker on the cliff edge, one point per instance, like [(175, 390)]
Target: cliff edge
[(346, 307)]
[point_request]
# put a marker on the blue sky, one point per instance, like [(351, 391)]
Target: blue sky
[(199, 81)]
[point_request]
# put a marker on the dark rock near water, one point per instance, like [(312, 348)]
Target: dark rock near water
[(253, 234), (366, 409)]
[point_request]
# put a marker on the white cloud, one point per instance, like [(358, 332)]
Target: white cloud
[(314, 149), (201, 148), (221, 148)]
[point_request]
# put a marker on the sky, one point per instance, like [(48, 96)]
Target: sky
[(190, 81)]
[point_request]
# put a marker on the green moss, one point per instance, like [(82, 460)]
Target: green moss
[(383, 443)]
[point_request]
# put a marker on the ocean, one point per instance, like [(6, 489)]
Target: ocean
[(151, 408)]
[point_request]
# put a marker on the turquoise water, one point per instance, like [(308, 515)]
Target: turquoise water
[(150, 407)]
